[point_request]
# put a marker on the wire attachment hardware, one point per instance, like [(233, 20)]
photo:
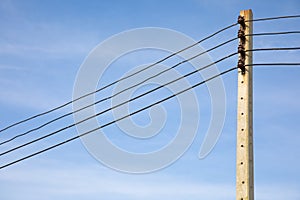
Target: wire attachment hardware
[(241, 35), (241, 47), (241, 50), (241, 65), (241, 21)]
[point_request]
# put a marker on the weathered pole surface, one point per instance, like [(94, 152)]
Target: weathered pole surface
[(244, 159)]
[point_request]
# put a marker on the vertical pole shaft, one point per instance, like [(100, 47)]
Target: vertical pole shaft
[(244, 159)]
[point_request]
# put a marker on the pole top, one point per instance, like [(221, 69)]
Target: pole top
[(246, 13)]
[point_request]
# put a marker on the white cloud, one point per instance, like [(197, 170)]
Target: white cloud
[(78, 181), (18, 94), (10, 67), (94, 181), (277, 191)]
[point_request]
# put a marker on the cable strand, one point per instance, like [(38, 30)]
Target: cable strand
[(274, 64), (122, 91), (275, 49), (273, 18), (126, 116), (117, 81), (171, 55), (109, 109), (273, 33)]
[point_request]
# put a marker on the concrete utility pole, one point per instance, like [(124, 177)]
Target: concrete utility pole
[(244, 155)]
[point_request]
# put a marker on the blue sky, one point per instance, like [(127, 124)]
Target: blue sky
[(42, 46)]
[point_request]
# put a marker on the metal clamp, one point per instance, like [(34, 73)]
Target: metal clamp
[(241, 65), (241, 21), (241, 50), (241, 35)]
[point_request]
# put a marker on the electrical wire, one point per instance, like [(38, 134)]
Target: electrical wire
[(117, 81), (273, 33), (273, 18), (171, 55), (109, 97), (274, 64), (149, 66), (126, 116), (275, 49), (109, 109)]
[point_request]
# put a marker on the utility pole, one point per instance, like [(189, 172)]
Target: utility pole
[(244, 155)]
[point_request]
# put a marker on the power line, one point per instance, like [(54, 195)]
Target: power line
[(117, 81), (274, 18), (274, 64), (274, 33), (147, 67), (104, 111), (276, 49), (109, 97), (171, 55), (126, 116)]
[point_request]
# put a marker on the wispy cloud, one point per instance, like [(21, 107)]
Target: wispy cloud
[(11, 68), (15, 94), (23, 36), (88, 181), (277, 191)]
